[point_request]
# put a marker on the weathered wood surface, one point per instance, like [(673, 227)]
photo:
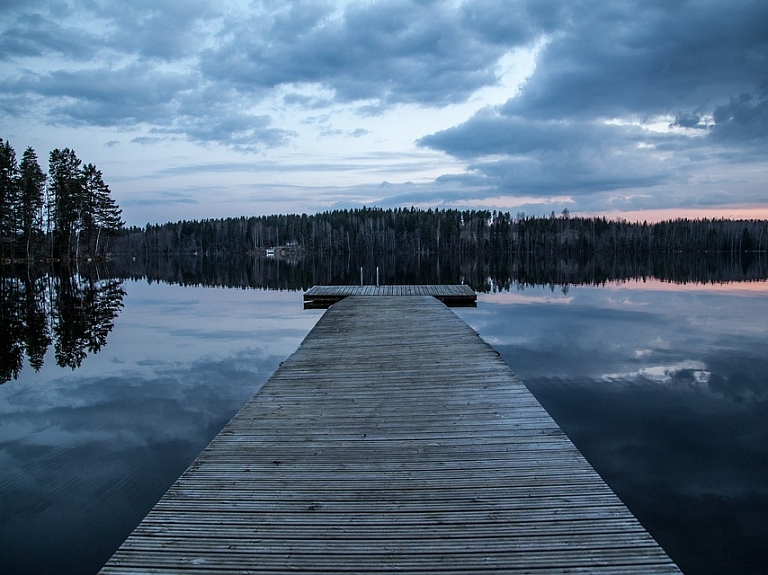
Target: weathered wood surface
[(393, 441), (322, 297)]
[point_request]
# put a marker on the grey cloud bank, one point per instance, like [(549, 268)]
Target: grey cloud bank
[(582, 122), (625, 105)]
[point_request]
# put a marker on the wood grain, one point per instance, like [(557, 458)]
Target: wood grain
[(393, 441), (322, 297)]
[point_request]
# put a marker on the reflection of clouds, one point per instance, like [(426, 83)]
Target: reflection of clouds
[(706, 342), (731, 289), (224, 319), (687, 372), (172, 403), (742, 376), (667, 398), (626, 302), (522, 298), (77, 446), (84, 454)]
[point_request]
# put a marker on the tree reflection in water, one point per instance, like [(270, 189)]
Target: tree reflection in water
[(483, 274), (73, 310)]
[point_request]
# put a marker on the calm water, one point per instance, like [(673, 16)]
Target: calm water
[(664, 389)]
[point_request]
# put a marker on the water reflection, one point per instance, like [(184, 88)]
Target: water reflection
[(483, 274), (73, 311), (85, 454), (666, 394), (662, 386)]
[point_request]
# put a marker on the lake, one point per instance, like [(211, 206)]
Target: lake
[(663, 387)]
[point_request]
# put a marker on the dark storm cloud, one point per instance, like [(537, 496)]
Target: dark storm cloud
[(550, 156), (36, 35), (104, 97), (394, 52), (506, 23), (489, 132), (605, 71), (744, 119), (135, 67), (82, 30), (166, 30), (690, 120), (703, 64), (172, 103), (614, 58), (167, 55)]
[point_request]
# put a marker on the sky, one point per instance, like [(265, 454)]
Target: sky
[(193, 109)]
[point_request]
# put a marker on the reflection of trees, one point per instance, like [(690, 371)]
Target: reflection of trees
[(38, 336), (12, 351), (74, 312), (481, 273)]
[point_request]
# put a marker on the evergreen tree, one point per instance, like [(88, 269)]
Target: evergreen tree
[(9, 191), (102, 216), (67, 199), (32, 198), (79, 210)]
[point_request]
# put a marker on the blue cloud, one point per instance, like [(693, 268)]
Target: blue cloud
[(631, 62), (233, 75)]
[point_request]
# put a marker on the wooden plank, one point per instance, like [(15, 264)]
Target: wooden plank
[(322, 297), (394, 440)]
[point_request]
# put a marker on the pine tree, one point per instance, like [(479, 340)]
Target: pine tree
[(9, 192), (32, 196), (67, 199), (102, 214)]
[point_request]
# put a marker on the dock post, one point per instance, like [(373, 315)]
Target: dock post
[(377, 276), (361, 275)]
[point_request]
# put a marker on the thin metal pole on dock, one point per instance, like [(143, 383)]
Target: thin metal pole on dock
[(377, 276), (361, 275)]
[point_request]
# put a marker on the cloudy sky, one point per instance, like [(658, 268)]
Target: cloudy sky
[(196, 108)]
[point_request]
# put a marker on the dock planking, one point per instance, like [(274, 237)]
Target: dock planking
[(394, 440), (322, 297)]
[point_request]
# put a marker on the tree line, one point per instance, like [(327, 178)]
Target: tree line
[(454, 233), (67, 214)]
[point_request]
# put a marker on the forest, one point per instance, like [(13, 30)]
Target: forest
[(67, 214), (451, 233)]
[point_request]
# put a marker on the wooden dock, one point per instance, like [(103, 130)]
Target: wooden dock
[(393, 441), (323, 297)]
